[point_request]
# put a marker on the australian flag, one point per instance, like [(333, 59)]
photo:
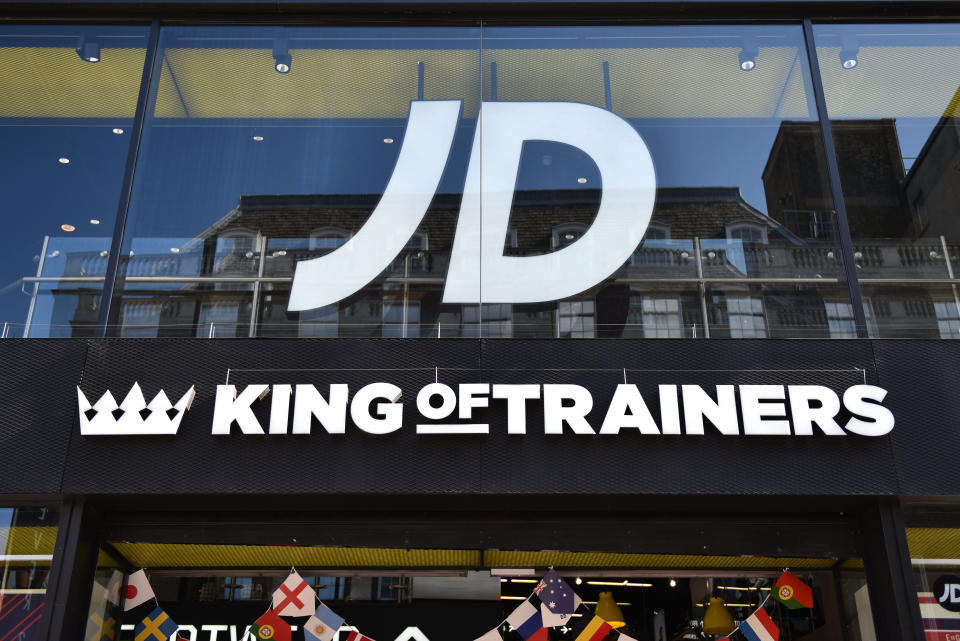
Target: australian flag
[(556, 594)]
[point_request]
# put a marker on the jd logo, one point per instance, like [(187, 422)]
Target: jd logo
[(627, 178), (946, 590)]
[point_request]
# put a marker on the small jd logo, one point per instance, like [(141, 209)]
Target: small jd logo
[(946, 590)]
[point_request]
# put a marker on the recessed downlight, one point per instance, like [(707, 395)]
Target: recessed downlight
[(94, 221), (581, 180), (258, 138), (68, 227), (388, 141), (117, 130), (63, 160)]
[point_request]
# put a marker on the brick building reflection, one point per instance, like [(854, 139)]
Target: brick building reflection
[(710, 264)]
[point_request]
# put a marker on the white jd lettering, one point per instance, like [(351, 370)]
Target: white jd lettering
[(951, 593), (626, 203)]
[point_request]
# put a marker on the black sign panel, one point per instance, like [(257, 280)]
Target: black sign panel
[(195, 461)]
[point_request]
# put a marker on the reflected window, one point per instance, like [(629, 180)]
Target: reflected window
[(948, 318), (328, 238), (660, 317), (748, 232), (575, 319), (746, 317)]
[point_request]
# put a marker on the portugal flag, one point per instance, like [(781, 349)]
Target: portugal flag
[(792, 592), (270, 627)]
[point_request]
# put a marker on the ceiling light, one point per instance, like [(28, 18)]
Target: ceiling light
[(174, 250), (94, 221), (63, 160), (66, 227), (581, 180), (117, 130), (748, 57), (629, 584), (389, 141), (281, 57), (579, 580), (848, 57), (89, 51), (673, 583), (258, 138)]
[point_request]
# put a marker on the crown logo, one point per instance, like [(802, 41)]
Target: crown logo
[(134, 416)]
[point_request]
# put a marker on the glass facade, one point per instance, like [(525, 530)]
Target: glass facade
[(66, 126), (892, 99), (27, 536), (267, 150)]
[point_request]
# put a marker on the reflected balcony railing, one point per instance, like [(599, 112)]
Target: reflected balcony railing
[(918, 295)]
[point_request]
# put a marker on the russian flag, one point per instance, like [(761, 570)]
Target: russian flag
[(760, 627)]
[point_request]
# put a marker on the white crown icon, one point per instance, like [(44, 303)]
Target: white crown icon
[(133, 416)]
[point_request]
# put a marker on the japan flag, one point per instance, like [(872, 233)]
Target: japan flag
[(138, 590)]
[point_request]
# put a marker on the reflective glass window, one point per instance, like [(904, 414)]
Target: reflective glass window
[(27, 538), (67, 101), (892, 99), (728, 120), (267, 149)]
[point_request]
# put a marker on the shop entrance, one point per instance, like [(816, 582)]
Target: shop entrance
[(640, 576)]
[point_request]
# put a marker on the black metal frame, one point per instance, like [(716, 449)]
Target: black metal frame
[(123, 208)]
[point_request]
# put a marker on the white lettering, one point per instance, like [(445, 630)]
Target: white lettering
[(627, 398), (426, 145), (229, 408), (473, 396), (332, 414), (698, 405), (391, 411), (517, 397), (755, 410), (448, 401), (669, 410), (479, 271), (855, 399), (555, 414), (805, 416)]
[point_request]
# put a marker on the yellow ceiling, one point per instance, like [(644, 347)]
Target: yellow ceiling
[(61, 85), (934, 543), (891, 82), (255, 556), (697, 82)]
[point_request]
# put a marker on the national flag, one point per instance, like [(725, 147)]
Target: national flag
[(138, 590), (760, 627), (270, 627), (792, 592), (528, 622), (323, 625), (558, 596), (114, 585), (294, 598), (492, 635), (100, 629), (156, 626), (552, 620), (596, 630), (356, 636)]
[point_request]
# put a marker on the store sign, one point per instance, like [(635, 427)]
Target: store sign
[(690, 410), (946, 590), (478, 270)]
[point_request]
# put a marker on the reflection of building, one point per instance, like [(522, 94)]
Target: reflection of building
[(697, 236), (899, 221)]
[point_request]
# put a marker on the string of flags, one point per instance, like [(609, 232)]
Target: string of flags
[(788, 590), (551, 604)]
